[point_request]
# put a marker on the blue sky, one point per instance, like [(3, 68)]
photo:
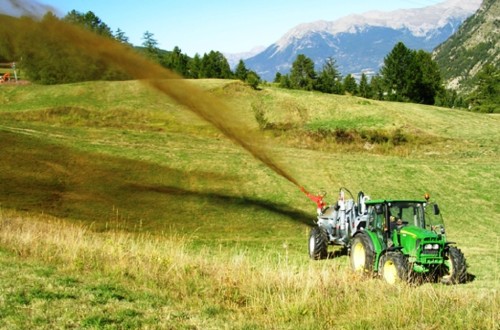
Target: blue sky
[(228, 26)]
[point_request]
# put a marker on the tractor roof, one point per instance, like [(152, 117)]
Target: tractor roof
[(383, 201)]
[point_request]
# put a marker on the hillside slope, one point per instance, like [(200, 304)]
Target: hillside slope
[(83, 150), (121, 208), (474, 45)]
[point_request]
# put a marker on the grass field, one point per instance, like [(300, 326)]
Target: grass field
[(120, 208)]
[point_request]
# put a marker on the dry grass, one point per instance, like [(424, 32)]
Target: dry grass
[(175, 287)]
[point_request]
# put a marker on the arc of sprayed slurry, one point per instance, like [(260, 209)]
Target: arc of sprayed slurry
[(206, 106)]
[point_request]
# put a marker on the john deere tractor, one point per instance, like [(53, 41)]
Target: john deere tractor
[(400, 240)]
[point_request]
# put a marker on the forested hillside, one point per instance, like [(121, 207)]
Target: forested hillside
[(475, 45)]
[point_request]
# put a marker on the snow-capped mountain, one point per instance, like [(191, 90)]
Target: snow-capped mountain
[(359, 43), (234, 58)]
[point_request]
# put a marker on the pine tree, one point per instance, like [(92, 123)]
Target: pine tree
[(410, 75), (241, 71), (486, 98), (397, 72), (364, 87), (426, 82), (376, 87), (177, 61), (195, 67), (215, 65), (277, 77), (151, 46), (121, 37), (350, 85), (302, 75), (329, 80)]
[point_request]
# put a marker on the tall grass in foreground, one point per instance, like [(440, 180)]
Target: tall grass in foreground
[(151, 281)]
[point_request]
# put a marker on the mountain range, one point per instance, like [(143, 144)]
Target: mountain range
[(358, 43)]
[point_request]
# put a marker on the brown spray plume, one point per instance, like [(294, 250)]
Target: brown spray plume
[(206, 106)]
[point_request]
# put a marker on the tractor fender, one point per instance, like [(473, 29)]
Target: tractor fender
[(376, 243), (392, 249)]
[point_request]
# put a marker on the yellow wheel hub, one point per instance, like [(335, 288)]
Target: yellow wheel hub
[(449, 264), (390, 272), (359, 257)]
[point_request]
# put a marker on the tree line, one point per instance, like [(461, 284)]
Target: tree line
[(44, 60), (406, 75), (211, 65)]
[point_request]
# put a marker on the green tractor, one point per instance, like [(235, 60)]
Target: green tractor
[(403, 240)]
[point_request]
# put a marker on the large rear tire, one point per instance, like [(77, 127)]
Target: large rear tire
[(362, 254), (318, 243), (455, 267), (393, 267)]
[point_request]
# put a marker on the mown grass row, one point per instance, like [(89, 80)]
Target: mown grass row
[(70, 276)]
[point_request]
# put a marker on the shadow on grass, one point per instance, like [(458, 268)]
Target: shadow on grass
[(342, 252), (223, 199), (470, 278), (40, 176)]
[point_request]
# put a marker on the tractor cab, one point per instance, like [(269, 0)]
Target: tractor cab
[(386, 218)]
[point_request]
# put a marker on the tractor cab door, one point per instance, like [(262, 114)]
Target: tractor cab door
[(377, 222)]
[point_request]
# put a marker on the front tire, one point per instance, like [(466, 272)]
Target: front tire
[(362, 254), (455, 267), (318, 244), (393, 267)]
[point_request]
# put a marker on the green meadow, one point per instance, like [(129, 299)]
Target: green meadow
[(121, 209)]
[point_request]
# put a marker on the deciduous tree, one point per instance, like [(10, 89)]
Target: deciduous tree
[(90, 22), (252, 79)]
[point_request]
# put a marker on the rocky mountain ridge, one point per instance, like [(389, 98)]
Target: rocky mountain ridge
[(359, 42)]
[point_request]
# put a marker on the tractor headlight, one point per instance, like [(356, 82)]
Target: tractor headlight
[(431, 248)]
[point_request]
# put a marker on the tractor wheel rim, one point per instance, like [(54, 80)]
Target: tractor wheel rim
[(312, 245), (449, 273), (390, 272), (358, 256)]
